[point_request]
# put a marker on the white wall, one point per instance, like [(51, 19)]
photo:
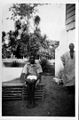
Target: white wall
[(9, 73), (66, 39), (71, 36)]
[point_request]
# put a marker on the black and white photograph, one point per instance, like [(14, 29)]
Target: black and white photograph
[(38, 59)]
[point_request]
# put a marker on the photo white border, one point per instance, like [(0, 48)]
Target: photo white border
[(76, 71)]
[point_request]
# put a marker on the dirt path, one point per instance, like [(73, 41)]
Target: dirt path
[(56, 102)]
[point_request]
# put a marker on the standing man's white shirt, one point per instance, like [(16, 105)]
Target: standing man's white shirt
[(69, 69)]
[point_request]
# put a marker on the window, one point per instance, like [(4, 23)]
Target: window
[(70, 16)]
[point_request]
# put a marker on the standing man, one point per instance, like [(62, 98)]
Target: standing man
[(68, 60), (31, 74)]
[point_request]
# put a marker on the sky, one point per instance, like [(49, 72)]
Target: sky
[(52, 20)]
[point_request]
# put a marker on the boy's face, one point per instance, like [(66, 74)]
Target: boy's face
[(32, 60)]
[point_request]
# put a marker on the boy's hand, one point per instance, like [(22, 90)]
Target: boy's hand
[(23, 76), (37, 83)]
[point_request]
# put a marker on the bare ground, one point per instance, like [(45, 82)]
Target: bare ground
[(57, 102)]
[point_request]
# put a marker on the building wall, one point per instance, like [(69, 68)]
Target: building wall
[(68, 35)]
